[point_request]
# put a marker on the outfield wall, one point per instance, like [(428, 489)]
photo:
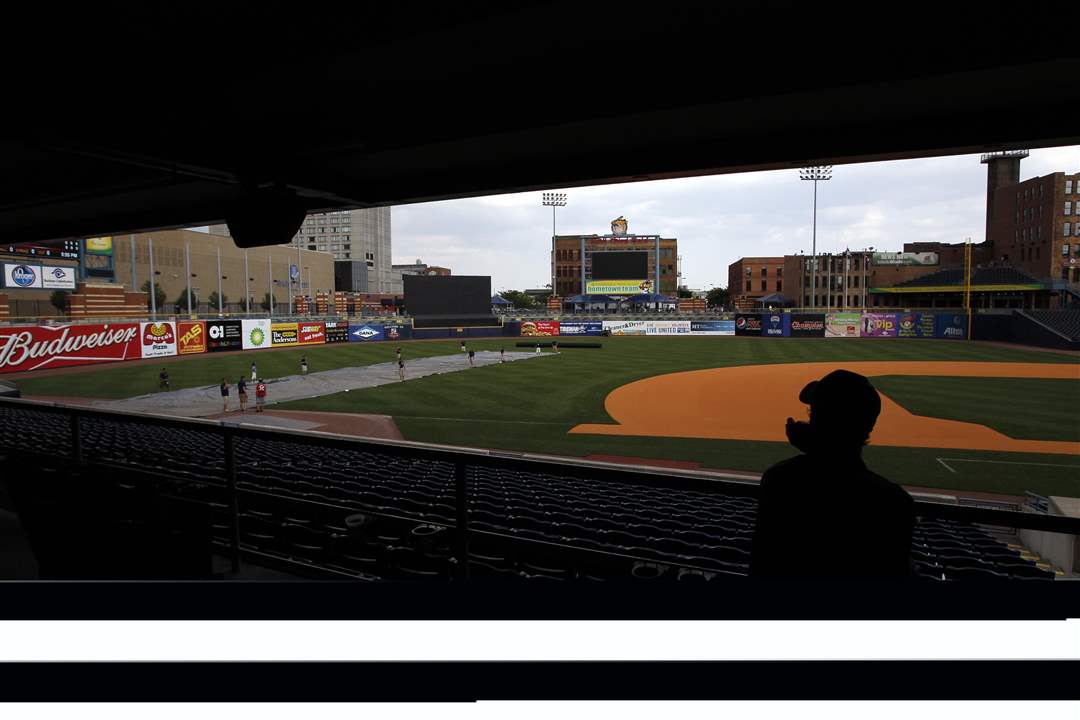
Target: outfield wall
[(34, 347)]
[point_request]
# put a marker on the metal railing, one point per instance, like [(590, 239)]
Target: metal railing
[(461, 460)]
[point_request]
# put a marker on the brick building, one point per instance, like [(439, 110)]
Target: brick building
[(753, 278), (568, 251)]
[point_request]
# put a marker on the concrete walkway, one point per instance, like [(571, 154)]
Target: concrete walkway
[(205, 401)]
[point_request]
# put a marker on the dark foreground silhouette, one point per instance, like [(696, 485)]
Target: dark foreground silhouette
[(823, 514)]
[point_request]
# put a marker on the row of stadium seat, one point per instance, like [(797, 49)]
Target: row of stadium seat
[(297, 498)]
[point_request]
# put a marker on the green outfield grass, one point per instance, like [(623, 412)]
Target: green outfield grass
[(1025, 408), (529, 406)]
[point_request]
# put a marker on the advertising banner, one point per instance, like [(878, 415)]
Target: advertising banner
[(591, 327), (366, 333), (879, 325), (808, 325), (539, 328), (158, 339), (224, 335), (30, 348), (915, 325), (57, 277), (311, 333), (618, 287), (191, 337), (842, 325), (22, 275), (336, 331), (647, 327), (712, 327), (748, 325), (99, 245), (775, 325), (904, 258), (949, 325), (397, 332), (283, 334), (256, 334)]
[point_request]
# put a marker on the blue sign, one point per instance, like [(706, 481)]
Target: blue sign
[(365, 333), (397, 332), (950, 326), (595, 327), (776, 325), (294, 273), (712, 327), (23, 275)]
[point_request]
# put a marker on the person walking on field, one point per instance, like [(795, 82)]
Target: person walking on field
[(303, 364), (224, 395), (163, 379), (399, 354), (472, 353), (400, 367), (254, 374), (537, 348), (555, 346), (463, 346), (241, 393), (502, 355), (260, 395)]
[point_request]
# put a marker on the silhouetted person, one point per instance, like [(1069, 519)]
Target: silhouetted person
[(823, 514)]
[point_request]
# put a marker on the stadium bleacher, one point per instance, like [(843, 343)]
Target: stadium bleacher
[(980, 276), (156, 496), (1064, 322)]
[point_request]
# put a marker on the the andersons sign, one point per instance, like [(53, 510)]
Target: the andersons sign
[(33, 348)]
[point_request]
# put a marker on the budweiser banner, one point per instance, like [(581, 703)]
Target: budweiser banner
[(158, 339), (31, 348)]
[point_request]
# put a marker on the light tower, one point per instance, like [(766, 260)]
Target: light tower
[(815, 173), (554, 200)]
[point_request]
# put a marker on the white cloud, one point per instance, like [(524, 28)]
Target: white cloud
[(717, 219)]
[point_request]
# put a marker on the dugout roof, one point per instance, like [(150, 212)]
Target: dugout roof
[(154, 116)]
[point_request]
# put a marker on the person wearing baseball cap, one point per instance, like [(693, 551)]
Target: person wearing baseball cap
[(823, 514)]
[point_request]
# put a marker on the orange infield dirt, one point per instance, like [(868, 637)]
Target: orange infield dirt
[(751, 402)]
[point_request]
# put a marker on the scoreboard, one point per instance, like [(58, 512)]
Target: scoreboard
[(65, 249)]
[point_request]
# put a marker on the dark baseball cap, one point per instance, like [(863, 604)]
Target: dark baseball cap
[(843, 393)]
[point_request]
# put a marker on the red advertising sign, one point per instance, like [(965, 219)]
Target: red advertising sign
[(191, 337), (311, 333), (32, 348), (541, 328)]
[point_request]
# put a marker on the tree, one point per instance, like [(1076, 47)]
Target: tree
[(159, 294), (213, 301), (684, 293), (718, 297), (265, 302), (59, 300), (517, 298), (181, 300)]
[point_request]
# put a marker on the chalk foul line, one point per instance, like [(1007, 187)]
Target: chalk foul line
[(999, 462)]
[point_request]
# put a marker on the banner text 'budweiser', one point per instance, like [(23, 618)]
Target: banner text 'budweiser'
[(32, 348)]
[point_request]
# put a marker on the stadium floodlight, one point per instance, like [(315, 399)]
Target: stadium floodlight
[(815, 173), (553, 200)]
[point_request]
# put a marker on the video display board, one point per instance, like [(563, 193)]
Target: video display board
[(447, 294), (620, 265)]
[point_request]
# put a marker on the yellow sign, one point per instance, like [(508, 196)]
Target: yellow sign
[(618, 287), (99, 245)]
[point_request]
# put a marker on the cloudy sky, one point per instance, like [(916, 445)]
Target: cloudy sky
[(716, 219)]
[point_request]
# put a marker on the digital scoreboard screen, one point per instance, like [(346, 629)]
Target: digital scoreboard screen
[(620, 265), (447, 294), (65, 249)]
